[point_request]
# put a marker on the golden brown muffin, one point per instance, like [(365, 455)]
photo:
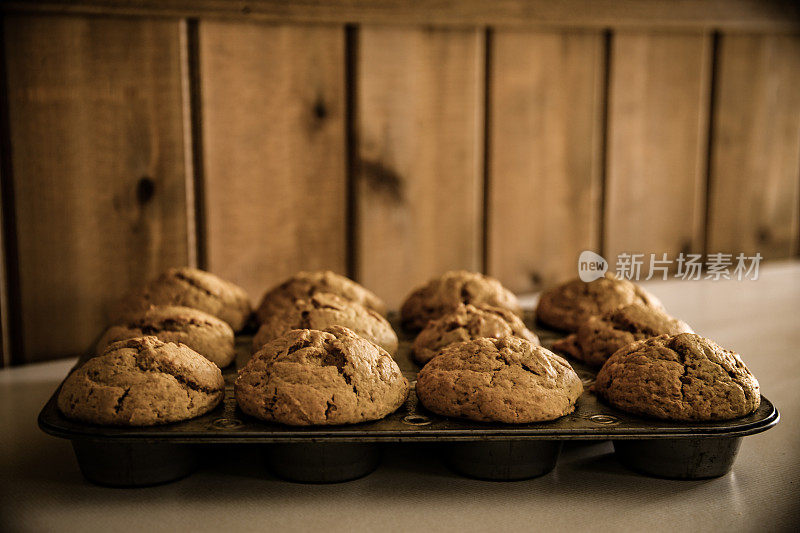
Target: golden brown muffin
[(466, 323), (309, 377), (678, 377), (567, 306), (189, 287), (142, 382), (444, 294), (323, 310), (507, 380), (205, 334), (600, 336), (305, 284)]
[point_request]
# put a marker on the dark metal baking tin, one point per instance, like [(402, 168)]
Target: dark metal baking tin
[(125, 456)]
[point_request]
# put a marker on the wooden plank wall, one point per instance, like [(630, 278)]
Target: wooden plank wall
[(544, 179), (657, 140), (754, 159), (98, 168), (419, 191), (273, 145), (387, 152)]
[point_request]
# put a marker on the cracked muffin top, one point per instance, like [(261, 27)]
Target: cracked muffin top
[(190, 287), (142, 382), (444, 294), (206, 334), (310, 377), (567, 306), (322, 310), (303, 285), (507, 380), (465, 323), (678, 377), (600, 336)]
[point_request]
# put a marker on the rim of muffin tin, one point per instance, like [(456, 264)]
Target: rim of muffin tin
[(484, 450), (245, 429)]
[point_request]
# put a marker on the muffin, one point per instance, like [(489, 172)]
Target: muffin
[(310, 377), (567, 306), (507, 380), (205, 334), (678, 377), (305, 284), (444, 294), (322, 310), (142, 382), (189, 287), (601, 336), (466, 323)]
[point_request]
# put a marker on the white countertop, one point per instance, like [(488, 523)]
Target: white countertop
[(41, 488)]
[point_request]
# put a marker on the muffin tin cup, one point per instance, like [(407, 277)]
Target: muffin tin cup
[(322, 462), (140, 456), (127, 464), (679, 458), (510, 460)]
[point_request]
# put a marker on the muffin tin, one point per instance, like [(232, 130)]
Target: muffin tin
[(118, 456)]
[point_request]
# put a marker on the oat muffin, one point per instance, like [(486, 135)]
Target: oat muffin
[(507, 380), (310, 377), (205, 334), (142, 382), (305, 284), (678, 377), (189, 287), (567, 306), (466, 323), (323, 310), (443, 295), (600, 336)]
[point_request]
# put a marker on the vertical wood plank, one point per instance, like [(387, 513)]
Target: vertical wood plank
[(98, 167), (419, 187), (7, 251), (274, 151), (755, 165), (544, 160), (5, 344), (657, 144)]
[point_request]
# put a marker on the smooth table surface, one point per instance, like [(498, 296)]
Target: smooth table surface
[(41, 488)]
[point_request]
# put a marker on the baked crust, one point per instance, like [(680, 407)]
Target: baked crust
[(444, 294), (305, 284), (323, 310), (465, 323), (678, 377), (565, 307), (142, 382), (600, 336), (310, 377), (507, 380), (189, 287), (206, 334)]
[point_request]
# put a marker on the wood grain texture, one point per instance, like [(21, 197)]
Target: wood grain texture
[(755, 165), (419, 187), (5, 344), (544, 160), (598, 14), (657, 143), (273, 150), (98, 168), (7, 231)]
